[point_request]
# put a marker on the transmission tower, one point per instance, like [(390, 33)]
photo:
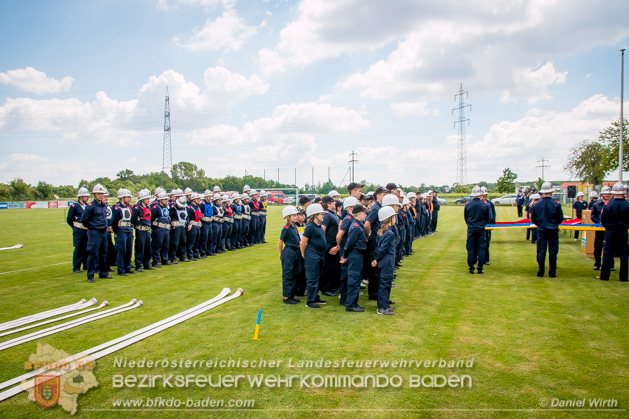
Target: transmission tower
[(352, 161), (167, 158), (461, 153)]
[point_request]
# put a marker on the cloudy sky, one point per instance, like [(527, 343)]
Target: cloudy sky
[(256, 86)]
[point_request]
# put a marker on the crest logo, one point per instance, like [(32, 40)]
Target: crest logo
[(47, 390)]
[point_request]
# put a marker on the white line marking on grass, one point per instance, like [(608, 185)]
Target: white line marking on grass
[(34, 267)]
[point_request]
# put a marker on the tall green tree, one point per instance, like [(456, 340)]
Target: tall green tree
[(589, 162), (609, 138), (506, 182)]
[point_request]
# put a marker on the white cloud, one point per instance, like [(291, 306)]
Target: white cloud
[(541, 134), (533, 83), (34, 81), (404, 109), (227, 32), (289, 123), (495, 45), (167, 4)]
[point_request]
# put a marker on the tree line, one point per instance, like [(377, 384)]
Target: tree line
[(183, 175)]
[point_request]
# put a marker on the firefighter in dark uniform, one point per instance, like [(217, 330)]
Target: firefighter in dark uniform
[(110, 258), (228, 225), (217, 224), (95, 219), (341, 240), (141, 220), (237, 228), (477, 216), (79, 231), (288, 247), (599, 236), (254, 226), (160, 238), (246, 219), (492, 220), (371, 231), (312, 246), (123, 232), (547, 214), (179, 224), (615, 219), (353, 254), (194, 232), (578, 206), (331, 275), (206, 240), (263, 206)]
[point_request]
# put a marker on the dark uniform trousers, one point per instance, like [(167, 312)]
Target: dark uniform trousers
[(387, 269), (124, 249), (142, 248), (343, 284), (177, 244), (300, 275), (96, 252), (262, 229), (547, 239), (254, 228), (599, 239), (235, 239), (160, 241), (487, 243), (226, 236), (615, 243), (475, 246), (205, 241), (314, 266), (374, 273), (330, 277), (289, 259), (354, 277), (192, 242), (217, 231), (79, 255), (244, 233)]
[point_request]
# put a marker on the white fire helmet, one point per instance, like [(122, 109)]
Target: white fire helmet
[(313, 209), (385, 213), (289, 210), (83, 192), (350, 201), (98, 188), (390, 199)]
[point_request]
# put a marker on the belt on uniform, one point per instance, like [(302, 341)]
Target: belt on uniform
[(218, 219), (237, 217), (79, 225), (246, 217), (124, 224), (229, 220), (262, 213), (255, 213), (179, 223), (143, 228), (195, 223), (161, 225), (207, 219)]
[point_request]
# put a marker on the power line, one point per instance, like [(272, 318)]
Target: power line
[(352, 161), (543, 165)]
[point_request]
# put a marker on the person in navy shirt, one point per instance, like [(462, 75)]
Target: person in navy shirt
[(160, 237), (385, 259), (179, 223), (371, 231), (477, 216), (331, 275), (95, 219), (341, 240), (79, 231), (578, 206), (206, 239), (353, 255), (615, 219), (599, 236), (123, 232), (313, 247), (288, 247), (547, 214), (141, 220)]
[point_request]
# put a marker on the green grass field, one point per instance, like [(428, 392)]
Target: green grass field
[(531, 339)]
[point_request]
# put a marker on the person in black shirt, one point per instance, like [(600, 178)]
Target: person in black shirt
[(599, 236), (577, 211), (95, 219), (353, 256), (313, 247), (288, 246), (615, 219), (476, 215), (547, 214)]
